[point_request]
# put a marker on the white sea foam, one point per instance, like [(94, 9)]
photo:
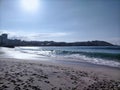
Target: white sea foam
[(98, 61), (13, 53)]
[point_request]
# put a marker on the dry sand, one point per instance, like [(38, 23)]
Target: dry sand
[(37, 75)]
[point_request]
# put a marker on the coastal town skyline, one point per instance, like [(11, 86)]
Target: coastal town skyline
[(7, 42), (69, 21)]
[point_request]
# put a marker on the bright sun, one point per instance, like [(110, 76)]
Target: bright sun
[(30, 5)]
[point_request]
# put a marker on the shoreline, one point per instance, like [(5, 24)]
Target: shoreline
[(21, 54), (61, 62), (44, 75)]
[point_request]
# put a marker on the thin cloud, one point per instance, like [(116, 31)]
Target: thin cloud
[(35, 36), (59, 34), (115, 40)]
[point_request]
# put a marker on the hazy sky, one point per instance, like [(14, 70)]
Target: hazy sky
[(61, 20)]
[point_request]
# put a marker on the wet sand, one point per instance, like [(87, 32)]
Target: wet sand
[(37, 75)]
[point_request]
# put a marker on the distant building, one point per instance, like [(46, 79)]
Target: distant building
[(3, 39), (0, 40)]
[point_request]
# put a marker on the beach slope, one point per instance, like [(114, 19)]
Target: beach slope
[(31, 75)]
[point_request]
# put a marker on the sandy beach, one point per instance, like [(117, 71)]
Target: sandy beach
[(38, 75)]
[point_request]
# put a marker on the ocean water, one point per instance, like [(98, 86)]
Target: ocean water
[(100, 55)]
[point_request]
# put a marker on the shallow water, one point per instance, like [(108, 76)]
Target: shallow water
[(100, 55)]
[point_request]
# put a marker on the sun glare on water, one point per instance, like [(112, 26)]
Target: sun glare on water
[(30, 5)]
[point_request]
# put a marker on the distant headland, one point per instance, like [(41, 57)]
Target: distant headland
[(5, 42)]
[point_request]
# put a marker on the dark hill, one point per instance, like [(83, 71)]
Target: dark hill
[(52, 43)]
